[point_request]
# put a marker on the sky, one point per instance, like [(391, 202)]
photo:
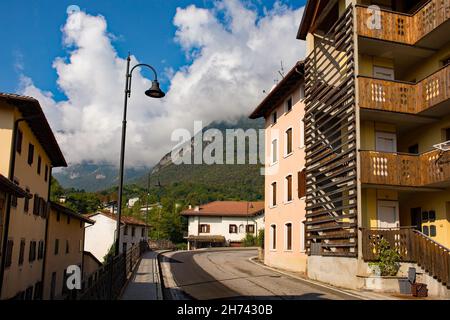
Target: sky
[(213, 58)]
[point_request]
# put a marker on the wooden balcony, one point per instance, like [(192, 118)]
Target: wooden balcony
[(407, 97), (401, 27), (395, 169)]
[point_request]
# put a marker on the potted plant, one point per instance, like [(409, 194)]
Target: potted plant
[(388, 262)]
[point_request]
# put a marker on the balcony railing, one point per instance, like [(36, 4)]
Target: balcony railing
[(413, 246), (397, 169), (401, 27), (407, 97)]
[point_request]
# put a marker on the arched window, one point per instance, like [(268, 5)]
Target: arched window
[(288, 236), (273, 237), (241, 228)]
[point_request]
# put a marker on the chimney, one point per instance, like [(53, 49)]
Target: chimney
[(197, 208), (190, 207)]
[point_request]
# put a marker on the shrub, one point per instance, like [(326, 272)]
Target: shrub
[(388, 262), (249, 240), (181, 246), (260, 239)]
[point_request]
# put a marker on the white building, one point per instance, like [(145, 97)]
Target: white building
[(100, 238), (131, 202), (223, 223)]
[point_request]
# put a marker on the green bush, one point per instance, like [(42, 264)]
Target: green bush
[(260, 239), (249, 240), (181, 246), (388, 262)]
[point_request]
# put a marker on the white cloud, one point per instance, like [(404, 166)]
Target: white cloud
[(231, 61)]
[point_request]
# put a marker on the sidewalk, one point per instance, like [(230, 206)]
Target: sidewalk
[(145, 282)]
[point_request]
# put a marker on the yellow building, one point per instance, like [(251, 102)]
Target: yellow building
[(28, 162), (377, 136), (65, 245)]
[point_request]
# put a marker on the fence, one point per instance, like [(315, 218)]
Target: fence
[(108, 281)]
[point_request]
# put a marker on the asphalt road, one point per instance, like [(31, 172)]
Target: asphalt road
[(228, 274)]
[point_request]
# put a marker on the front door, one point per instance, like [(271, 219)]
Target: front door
[(386, 142), (388, 216), (416, 218)]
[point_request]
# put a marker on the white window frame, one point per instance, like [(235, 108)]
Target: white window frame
[(285, 198), (286, 238), (286, 142), (302, 134), (302, 236), (271, 237), (271, 205), (274, 152), (302, 92)]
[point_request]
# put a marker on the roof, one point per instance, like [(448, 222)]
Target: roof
[(59, 208), (227, 209), (310, 14), (123, 219), (281, 91), (218, 239), (10, 187), (30, 107)]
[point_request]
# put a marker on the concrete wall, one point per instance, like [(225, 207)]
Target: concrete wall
[(285, 211), (67, 231), (337, 271), (219, 226), (23, 225)]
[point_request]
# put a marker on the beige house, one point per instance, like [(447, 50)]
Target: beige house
[(283, 109), (65, 245), (28, 152)]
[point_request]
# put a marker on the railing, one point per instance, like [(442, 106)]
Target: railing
[(108, 281), (398, 169), (405, 97), (401, 27), (413, 246)]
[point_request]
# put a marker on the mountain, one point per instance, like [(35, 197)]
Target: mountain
[(94, 177), (233, 181)]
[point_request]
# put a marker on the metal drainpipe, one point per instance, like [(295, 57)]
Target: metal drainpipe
[(46, 229), (12, 164)]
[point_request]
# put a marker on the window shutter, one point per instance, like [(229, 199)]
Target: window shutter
[(36, 204), (302, 183), (208, 228)]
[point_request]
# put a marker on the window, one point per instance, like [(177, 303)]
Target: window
[(29, 293), (204, 228), (301, 183), (36, 202), (250, 228), (39, 164), (426, 230), (133, 231), (289, 104), (19, 141), (273, 237), (41, 250), (232, 228), (9, 251), (67, 246), (143, 232), (274, 117), (241, 228), (288, 141), (56, 246), (432, 230), (447, 134), (38, 291), (26, 205), (274, 194), (46, 173), (302, 134), (30, 154), (302, 237), (125, 231), (21, 251), (432, 215), (14, 198), (289, 188), (288, 234), (302, 91), (53, 286), (32, 254), (124, 247), (274, 151), (413, 149)]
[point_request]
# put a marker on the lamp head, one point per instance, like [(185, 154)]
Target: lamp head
[(155, 91)]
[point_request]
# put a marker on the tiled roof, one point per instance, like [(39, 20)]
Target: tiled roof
[(30, 108), (59, 208), (227, 209), (11, 188), (123, 219)]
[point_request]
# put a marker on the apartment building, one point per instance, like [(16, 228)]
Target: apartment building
[(285, 190), (223, 223), (28, 152), (377, 136), (65, 246), (100, 237)]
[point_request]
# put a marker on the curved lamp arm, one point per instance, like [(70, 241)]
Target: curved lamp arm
[(131, 73)]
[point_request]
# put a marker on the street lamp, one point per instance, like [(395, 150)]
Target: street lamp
[(153, 92)]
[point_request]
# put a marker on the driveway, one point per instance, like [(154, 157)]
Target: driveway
[(228, 274)]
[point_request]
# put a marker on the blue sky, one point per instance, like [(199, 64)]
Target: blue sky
[(31, 35), (214, 59)]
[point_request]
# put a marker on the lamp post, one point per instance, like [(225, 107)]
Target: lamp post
[(153, 92)]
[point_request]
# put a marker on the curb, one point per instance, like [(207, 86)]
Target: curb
[(359, 297)]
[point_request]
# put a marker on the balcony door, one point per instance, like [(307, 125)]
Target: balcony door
[(386, 141), (388, 215)]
